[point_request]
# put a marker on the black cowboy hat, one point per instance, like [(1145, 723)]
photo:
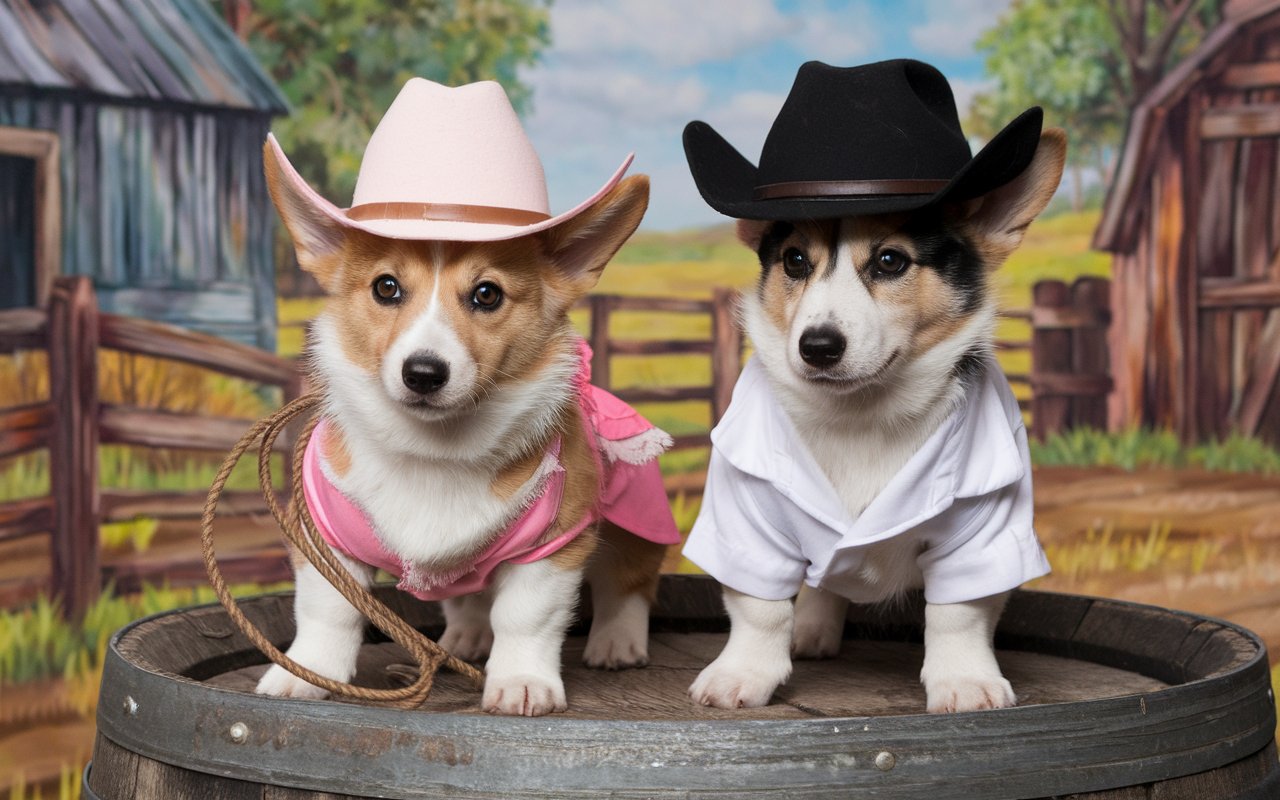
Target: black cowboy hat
[(858, 140)]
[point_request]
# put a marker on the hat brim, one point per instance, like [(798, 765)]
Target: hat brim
[(727, 180), (429, 229)]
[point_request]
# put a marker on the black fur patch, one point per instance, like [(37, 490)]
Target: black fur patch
[(970, 366), (770, 249), (948, 253)]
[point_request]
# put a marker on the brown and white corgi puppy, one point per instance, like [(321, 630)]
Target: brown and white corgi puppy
[(873, 334), (448, 373)]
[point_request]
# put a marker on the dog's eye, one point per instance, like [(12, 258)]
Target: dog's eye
[(796, 264), (487, 296), (386, 290), (891, 262)]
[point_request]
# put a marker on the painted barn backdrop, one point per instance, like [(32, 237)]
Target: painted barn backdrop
[(1194, 226), (129, 152)]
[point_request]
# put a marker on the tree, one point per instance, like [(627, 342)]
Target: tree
[(340, 63), (1088, 63)]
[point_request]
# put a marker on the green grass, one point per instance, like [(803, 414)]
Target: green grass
[(1138, 448), (36, 642)]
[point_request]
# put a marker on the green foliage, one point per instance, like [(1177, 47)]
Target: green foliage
[(1087, 62), (133, 534), (341, 63), (36, 642), (1138, 448)]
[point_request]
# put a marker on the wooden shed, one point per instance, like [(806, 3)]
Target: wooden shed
[(1194, 224), (130, 136)]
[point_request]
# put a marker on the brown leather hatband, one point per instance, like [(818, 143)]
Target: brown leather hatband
[(446, 212), (801, 189)]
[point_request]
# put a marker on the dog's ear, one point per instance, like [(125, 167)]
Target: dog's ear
[(1000, 217), (751, 232), (317, 238), (580, 247)]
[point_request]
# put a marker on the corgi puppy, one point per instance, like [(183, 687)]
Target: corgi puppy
[(886, 451), (455, 411)]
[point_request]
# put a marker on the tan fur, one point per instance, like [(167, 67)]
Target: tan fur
[(998, 222), (580, 487), (335, 449), (780, 294), (632, 562)]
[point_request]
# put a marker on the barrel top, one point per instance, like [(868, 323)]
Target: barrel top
[(1118, 689)]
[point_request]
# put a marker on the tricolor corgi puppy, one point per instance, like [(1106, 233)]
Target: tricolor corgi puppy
[(873, 444), (461, 447)]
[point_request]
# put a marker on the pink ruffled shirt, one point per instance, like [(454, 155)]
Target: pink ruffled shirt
[(625, 446)]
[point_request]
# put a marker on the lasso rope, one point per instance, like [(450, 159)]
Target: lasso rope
[(300, 530)]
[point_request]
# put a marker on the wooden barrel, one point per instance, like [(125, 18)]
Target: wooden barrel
[(1167, 704)]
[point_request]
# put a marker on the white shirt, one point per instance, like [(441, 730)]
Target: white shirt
[(770, 518)]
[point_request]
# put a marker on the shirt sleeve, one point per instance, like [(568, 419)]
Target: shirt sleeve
[(983, 545), (733, 542)]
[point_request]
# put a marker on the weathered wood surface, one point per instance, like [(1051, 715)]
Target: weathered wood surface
[(1113, 695), (156, 196), (724, 346), (1194, 224), (73, 443), (73, 423)]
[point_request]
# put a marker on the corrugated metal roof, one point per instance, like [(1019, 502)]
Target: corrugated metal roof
[(161, 50)]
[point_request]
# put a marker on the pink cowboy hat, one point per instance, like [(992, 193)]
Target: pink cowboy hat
[(450, 164)]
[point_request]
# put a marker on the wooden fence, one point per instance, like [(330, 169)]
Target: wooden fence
[(1070, 375), (74, 422)]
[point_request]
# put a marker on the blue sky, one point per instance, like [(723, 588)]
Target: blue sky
[(627, 75)]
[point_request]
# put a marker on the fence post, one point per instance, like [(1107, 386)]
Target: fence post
[(1089, 355), (726, 350), (73, 445), (601, 306), (1050, 356)]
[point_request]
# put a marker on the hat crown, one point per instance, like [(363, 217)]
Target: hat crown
[(452, 146), (891, 120)]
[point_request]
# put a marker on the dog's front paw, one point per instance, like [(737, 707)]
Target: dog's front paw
[(817, 639), (467, 642), (616, 647), (523, 696), (279, 682), (725, 684), (951, 693)]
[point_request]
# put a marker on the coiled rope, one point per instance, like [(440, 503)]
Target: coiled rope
[(300, 530)]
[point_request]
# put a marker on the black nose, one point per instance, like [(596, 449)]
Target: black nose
[(424, 373), (822, 346)]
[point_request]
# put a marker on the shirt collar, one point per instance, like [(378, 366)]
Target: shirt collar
[(972, 453)]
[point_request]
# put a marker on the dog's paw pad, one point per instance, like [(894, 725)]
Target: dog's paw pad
[(469, 643), (616, 651), (725, 686), (279, 682), (523, 696), (969, 694)]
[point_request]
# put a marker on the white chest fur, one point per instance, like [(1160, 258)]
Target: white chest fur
[(430, 512)]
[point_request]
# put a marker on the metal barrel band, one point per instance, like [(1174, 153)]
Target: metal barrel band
[(300, 531)]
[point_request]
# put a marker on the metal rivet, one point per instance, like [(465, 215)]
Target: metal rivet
[(130, 706), (885, 761), (239, 733)]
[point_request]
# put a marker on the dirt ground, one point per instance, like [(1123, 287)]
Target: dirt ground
[(1202, 542), (1231, 521)]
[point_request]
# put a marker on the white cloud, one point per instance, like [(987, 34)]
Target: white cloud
[(675, 32), (837, 37), (954, 26), (965, 90)]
